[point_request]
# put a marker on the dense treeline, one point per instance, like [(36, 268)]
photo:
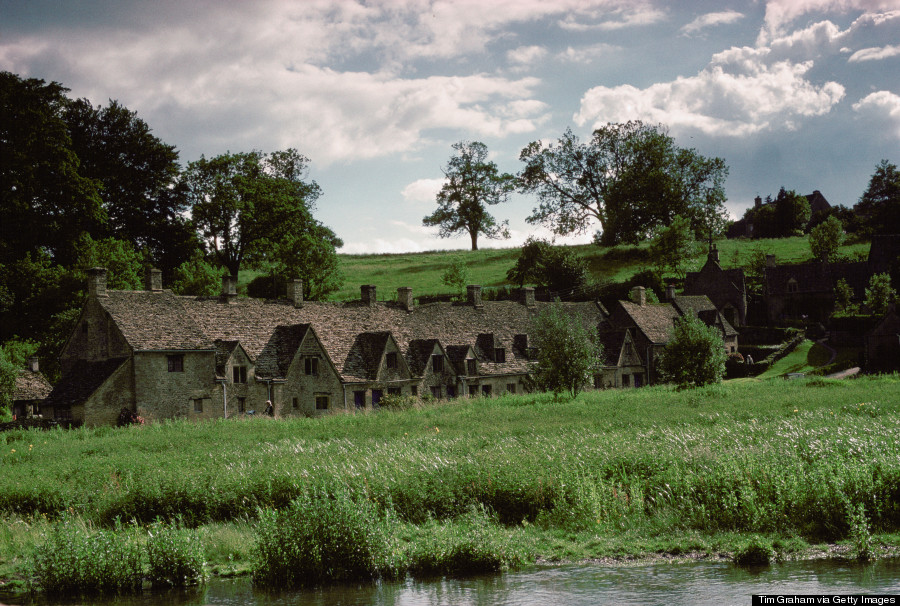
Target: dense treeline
[(84, 185)]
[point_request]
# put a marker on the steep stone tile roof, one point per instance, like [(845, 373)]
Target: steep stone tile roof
[(364, 358), (224, 349), (656, 321), (31, 386), (81, 381), (154, 320), (276, 356), (418, 354)]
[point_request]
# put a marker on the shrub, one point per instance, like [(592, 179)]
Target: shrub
[(755, 552), (324, 538), (694, 356), (75, 559), (567, 352), (175, 556)]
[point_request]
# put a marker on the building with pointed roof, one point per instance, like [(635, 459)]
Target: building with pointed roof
[(164, 356)]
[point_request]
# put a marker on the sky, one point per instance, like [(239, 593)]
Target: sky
[(803, 94)]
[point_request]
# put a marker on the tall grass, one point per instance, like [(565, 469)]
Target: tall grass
[(790, 458)]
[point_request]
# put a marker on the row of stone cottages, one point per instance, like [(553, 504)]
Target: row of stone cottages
[(166, 356)]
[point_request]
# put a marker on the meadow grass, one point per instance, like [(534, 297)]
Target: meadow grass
[(422, 271), (610, 472)]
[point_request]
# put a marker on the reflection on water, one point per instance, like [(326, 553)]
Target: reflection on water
[(686, 583)]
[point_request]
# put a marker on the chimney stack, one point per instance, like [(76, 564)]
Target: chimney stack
[(474, 295), (770, 260), (757, 202), (97, 282), (153, 279), (229, 288), (33, 364), (639, 295), (405, 298), (295, 292), (368, 295), (670, 292), (529, 296)]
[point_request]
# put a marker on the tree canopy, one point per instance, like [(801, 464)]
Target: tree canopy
[(826, 238), (787, 215), (568, 353), (472, 183), (557, 268), (880, 203), (629, 177), (694, 356)]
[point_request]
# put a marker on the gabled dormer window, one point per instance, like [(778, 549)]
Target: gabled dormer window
[(792, 285), (499, 354), (437, 363), (391, 359), (471, 367), (311, 366), (239, 374)]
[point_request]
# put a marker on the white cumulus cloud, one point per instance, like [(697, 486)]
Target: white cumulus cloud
[(422, 190), (883, 105), (875, 54), (711, 20)]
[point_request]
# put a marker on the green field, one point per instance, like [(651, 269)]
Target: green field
[(422, 271), (612, 474)]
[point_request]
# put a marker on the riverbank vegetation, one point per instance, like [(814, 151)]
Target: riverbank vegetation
[(481, 484)]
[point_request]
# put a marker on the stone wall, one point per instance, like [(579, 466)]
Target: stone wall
[(161, 394), (116, 393)]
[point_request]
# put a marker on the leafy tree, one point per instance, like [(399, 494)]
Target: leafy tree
[(45, 201), (843, 297), (826, 238), (197, 277), (568, 352), (8, 372), (472, 183), (124, 265), (674, 245), (308, 252), (879, 293), (880, 203), (557, 268), (630, 178), (139, 180), (456, 276), (694, 356), (243, 203), (786, 216)]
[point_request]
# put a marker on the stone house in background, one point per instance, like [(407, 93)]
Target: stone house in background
[(164, 356), (635, 332), (726, 288), (31, 389), (744, 228)]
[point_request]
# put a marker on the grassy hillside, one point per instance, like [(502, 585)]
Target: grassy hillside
[(422, 271), (612, 473)]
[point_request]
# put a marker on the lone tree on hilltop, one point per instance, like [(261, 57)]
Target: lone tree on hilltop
[(472, 184), (694, 356)]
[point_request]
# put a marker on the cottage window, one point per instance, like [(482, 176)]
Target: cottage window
[(638, 380), (451, 391), (84, 328), (175, 363), (239, 374), (359, 399), (311, 366), (436, 391), (437, 363), (485, 390), (471, 368), (391, 359), (510, 388), (242, 404), (376, 397), (792, 285), (626, 380), (414, 390), (473, 391), (499, 354), (395, 391), (321, 402), (295, 403), (198, 404)]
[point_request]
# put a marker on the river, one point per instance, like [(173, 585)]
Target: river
[(695, 583)]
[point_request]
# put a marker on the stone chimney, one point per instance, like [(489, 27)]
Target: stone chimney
[(405, 298), (757, 202), (97, 282), (33, 364), (368, 295), (528, 293), (153, 279), (639, 295), (229, 288), (295, 291), (770, 260), (473, 292), (670, 292)]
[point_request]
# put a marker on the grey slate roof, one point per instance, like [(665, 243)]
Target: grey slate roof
[(31, 386)]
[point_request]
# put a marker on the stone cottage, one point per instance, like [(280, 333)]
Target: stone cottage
[(635, 332), (164, 356), (726, 288), (32, 387)]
